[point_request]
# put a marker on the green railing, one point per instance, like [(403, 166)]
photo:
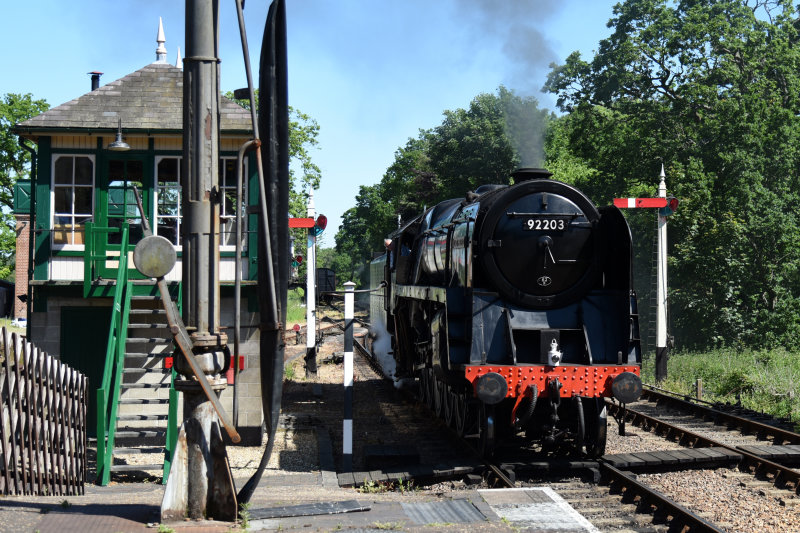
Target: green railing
[(108, 393), (172, 417)]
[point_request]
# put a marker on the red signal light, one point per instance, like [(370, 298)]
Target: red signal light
[(299, 259), (672, 203)]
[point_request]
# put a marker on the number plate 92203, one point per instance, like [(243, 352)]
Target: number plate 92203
[(545, 224)]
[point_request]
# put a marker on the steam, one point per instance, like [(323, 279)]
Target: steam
[(516, 24), (382, 349)]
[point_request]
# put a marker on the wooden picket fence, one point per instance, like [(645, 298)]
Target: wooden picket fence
[(42, 422)]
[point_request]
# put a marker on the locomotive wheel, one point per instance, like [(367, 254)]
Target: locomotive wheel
[(596, 418), (487, 430), (449, 404), (460, 413), (436, 394), (423, 387)]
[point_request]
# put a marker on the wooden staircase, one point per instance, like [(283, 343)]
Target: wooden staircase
[(144, 396)]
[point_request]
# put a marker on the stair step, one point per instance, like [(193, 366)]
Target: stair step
[(135, 468), (141, 417), (153, 312), (148, 340), (147, 355), (140, 370), (144, 401), (140, 433), (144, 385), (154, 325), (138, 450)]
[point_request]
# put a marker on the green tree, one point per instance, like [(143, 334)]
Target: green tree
[(471, 147), (712, 90), (14, 165), (303, 132)]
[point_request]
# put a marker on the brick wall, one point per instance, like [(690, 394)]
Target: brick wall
[(23, 231)]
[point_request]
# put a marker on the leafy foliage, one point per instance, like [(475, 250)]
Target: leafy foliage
[(303, 132), (471, 147), (711, 89), (14, 165)]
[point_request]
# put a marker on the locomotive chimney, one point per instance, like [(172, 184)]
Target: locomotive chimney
[(95, 79), (527, 173)]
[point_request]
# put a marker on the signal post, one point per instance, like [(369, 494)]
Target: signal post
[(666, 206)]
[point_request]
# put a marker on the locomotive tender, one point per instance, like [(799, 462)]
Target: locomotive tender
[(514, 310)]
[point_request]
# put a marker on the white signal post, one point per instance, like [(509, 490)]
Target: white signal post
[(311, 296), (665, 207), (662, 350)]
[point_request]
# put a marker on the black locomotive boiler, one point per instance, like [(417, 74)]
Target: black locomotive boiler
[(514, 310)]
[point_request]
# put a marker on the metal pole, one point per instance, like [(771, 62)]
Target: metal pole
[(662, 350), (200, 484), (347, 424), (311, 294)]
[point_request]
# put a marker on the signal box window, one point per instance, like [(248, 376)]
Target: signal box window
[(123, 176), (73, 189), (168, 199), (227, 212)]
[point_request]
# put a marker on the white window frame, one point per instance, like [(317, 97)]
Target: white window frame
[(157, 191), (222, 215), (53, 185), (223, 189)]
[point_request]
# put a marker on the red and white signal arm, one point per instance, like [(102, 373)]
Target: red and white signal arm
[(665, 206), (630, 203)]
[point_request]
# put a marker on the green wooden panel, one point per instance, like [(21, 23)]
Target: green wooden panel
[(22, 197), (84, 333)]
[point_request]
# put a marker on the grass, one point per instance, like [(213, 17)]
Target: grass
[(762, 380), (295, 308)]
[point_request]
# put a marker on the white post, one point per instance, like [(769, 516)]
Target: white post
[(662, 351), (311, 296), (347, 425)]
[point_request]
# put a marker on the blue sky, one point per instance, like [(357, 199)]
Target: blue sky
[(372, 73)]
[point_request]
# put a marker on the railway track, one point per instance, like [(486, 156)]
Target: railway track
[(615, 497), (755, 460), (622, 501)]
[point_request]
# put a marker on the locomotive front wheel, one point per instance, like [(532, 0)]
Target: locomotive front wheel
[(596, 418), (486, 440)]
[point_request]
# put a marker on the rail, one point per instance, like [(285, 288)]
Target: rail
[(108, 392), (780, 475)]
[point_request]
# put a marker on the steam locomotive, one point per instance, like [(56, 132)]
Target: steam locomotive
[(513, 310)]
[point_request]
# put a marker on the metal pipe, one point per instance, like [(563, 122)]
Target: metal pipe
[(200, 169), (237, 291), (246, 52), (31, 232)]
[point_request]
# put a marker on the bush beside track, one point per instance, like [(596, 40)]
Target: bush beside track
[(763, 380)]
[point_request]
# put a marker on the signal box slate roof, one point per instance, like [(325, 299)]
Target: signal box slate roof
[(148, 100)]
